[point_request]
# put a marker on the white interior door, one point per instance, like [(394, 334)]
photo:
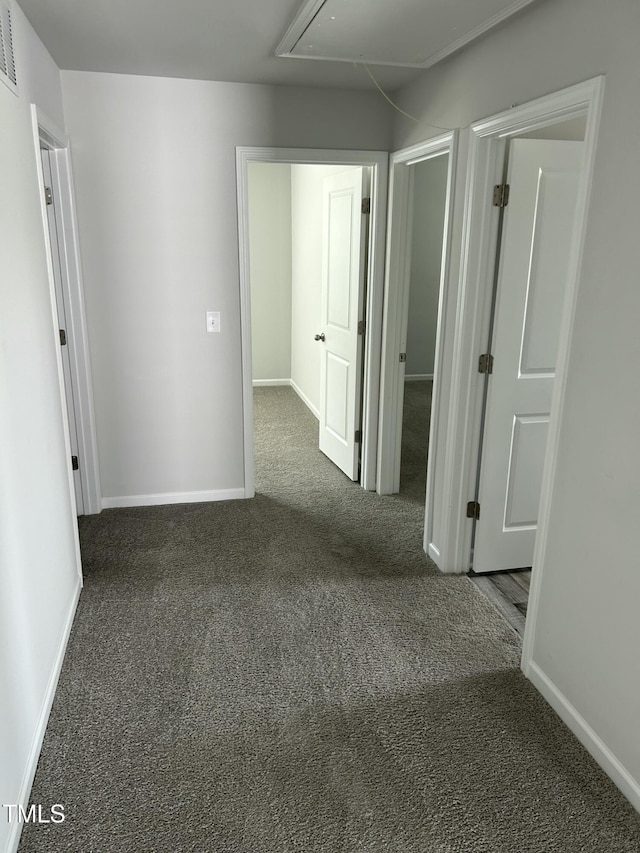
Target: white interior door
[(65, 338), (533, 265), (343, 269)]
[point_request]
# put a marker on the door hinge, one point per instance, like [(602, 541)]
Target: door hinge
[(74, 463), (473, 510), (48, 195), (362, 326), (63, 338), (403, 356), (366, 205), (358, 436), (485, 363), (501, 195)]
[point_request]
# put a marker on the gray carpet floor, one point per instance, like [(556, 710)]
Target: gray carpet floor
[(415, 440), (291, 674)]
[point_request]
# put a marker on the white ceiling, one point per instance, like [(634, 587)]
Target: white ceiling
[(416, 33), (236, 40)]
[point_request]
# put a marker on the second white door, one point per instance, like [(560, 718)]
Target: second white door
[(533, 265), (343, 273)]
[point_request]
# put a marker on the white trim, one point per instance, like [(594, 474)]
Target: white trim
[(397, 307), (54, 321), (486, 144), (45, 132), (418, 377), (471, 324), (298, 25), (43, 718), (596, 747), (174, 498), (305, 400), (266, 383), (378, 161)]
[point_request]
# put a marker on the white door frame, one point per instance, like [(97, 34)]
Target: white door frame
[(378, 161), (47, 135), (463, 420), (397, 286)]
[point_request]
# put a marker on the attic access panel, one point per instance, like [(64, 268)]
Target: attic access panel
[(413, 33)]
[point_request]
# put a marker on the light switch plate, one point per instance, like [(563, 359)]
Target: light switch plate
[(213, 321)]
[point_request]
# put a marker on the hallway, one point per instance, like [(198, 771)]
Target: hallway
[(291, 674)]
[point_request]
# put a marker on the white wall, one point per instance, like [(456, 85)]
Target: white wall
[(39, 577), (269, 187), (306, 284), (154, 163), (39, 80), (587, 631), (429, 197), (285, 223), (572, 129)]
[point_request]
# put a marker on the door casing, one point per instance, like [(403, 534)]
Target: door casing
[(473, 294), (66, 350), (378, 162), (465, 310), (47, 135), (395, 318)]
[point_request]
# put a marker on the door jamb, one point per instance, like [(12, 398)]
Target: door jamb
[(46, 134), (378, 161), (396, 306), (487, 137)]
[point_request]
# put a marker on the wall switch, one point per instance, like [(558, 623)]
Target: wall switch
[(213, 321)]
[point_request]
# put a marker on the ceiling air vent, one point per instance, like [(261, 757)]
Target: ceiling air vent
[(7, 59)]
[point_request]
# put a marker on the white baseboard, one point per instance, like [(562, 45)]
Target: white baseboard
[(173, 498), (611, 765), (43, 719), (305, 399), (257, 383), (417, 377)]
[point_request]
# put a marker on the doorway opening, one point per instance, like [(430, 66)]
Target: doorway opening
[(466, 307), (428, 186), (466, 321), (308, 254), (542, 171), (417, 277), (311, 297)]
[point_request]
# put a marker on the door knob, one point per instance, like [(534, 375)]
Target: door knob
[(319, 337)]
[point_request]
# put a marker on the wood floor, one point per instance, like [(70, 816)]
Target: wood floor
[(509, 592)]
